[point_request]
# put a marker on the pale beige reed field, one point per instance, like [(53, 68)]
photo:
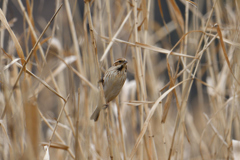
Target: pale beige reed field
[(180, 100)]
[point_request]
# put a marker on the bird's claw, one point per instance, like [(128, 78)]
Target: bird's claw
[(105, 106)]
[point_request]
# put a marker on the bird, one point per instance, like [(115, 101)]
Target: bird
[(113, 80)]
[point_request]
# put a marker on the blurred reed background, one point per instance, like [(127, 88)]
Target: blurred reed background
[(180, 100)]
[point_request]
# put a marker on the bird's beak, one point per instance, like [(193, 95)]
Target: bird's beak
[(125, 62)]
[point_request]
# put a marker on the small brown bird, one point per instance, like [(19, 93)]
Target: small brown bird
[(113, 81)]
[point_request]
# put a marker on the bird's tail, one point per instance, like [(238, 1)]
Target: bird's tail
[(96, 113)]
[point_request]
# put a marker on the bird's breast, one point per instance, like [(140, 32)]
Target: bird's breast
[(113, 83)]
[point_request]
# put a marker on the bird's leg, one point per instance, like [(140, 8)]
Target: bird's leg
[(105, 106)]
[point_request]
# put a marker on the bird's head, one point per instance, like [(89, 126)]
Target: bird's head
[(120, 61)]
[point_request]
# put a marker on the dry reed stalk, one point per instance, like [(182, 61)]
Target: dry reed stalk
[(56, 133), (120, 129), (109, 28), (74, 37), (32, 123), (138, 70), (4, 9), (167, 44)]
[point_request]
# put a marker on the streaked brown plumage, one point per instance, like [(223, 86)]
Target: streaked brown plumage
[(113, 81)]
